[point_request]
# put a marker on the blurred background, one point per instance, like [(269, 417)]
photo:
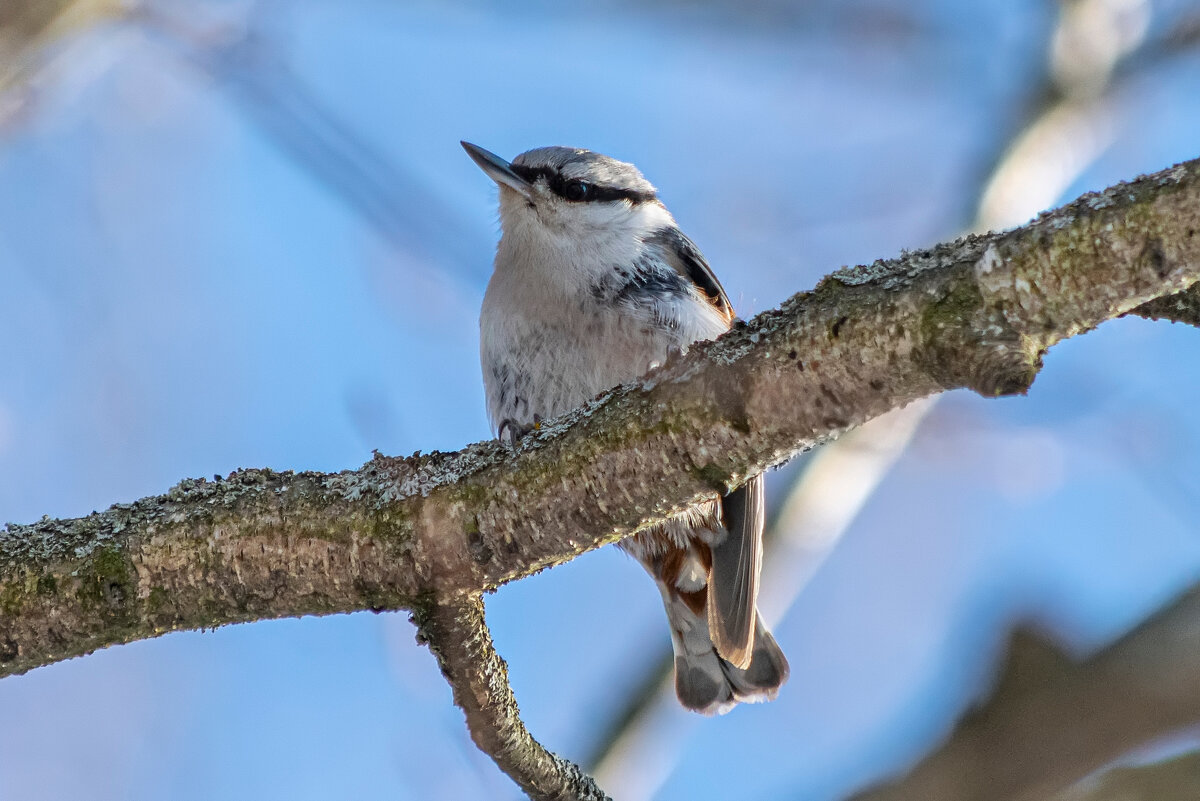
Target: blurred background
[(242, 233)]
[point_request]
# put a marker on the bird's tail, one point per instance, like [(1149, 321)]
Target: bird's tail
[(704, 681)]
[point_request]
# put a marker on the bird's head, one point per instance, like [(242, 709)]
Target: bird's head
[(575, 196)]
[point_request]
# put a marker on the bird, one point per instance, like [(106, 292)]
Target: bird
[(593, 285)]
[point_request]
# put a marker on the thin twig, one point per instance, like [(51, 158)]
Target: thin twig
[(458, 636)]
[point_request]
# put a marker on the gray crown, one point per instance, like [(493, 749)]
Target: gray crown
[(585, 165)]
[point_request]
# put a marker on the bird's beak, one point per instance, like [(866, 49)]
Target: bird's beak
[(498, 169)]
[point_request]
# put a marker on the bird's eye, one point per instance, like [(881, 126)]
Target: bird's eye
[(576, 190)]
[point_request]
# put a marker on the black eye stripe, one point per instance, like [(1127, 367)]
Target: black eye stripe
[(596, 192)]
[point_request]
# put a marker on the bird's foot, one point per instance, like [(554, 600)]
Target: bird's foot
[(511, 431)]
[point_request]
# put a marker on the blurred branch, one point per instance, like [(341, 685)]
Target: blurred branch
[(1176, 779), (458, 636), (436, 530), (1097, 48), (26, 26), (1071, 123), (1052, 720)]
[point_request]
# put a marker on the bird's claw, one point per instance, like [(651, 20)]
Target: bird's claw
[(511, 431)]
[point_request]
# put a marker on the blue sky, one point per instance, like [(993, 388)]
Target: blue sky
[(246, 235)]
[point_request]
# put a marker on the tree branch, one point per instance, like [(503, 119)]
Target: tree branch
[(1182, 307), (458, 636), (1052, 721), (26, 26), (977, 313), (1174, 779)]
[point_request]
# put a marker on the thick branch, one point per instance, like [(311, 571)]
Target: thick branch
[(977, 313), (1052, 721), (458, 636)]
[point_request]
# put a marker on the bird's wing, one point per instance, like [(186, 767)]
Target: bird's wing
[(736, 561), (687, 260), (733, 579)]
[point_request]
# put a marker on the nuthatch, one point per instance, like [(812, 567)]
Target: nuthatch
[(594, 285)]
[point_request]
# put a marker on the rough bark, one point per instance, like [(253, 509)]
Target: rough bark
[(1182, 307), (976, 313), (1052, 720)]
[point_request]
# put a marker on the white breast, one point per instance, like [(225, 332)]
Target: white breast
[(545, 350), (548, 343)]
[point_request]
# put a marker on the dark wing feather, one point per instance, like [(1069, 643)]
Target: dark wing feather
[(733, 579), (736, 561), (687, 260)]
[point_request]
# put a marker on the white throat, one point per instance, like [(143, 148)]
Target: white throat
[(568, 247)]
